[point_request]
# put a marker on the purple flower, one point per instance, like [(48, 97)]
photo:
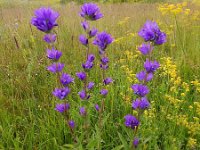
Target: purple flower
[(61, 93), (91, 58), (81, 75), (53, 54), (90, 85), (71, 124), (104, 92), (83, 40), (85, 25), (45, 19), (82, 95), (50, 38), (55, 67), (151, 66), (136, 104), (145, 48), (87, 65), (151, 32), (102, 40), (161, 38), (104, 60), (97, 107), (104, 67), (62, 107), (142, 103), (90, 11), (140, 90), (108, 81), (131, 121), (136, 142), (66, 79), (144, 76), (82, 111), (93, 32)]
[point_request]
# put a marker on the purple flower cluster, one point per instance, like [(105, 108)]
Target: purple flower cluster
[(151, 66), (82, 111), (50, 38), (45, 20), (97, 107), (131, 121), (89, 62), (145, 48), (53, 54), (140, 89), (152, 35), (151, 32), (61, 93), (142, 103), (135, 142), (71, 124), (102, 40), (81, 75), (55, 67), (66, 79), (62, 107), (90, 12)]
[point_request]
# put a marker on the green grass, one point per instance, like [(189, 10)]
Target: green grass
[(27, 116)]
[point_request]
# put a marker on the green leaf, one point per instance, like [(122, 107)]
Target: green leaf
[(124, 142), (118, 147)]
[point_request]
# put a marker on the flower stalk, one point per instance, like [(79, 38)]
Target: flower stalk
[(152, 36)]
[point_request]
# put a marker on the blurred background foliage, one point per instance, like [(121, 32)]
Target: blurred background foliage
[(10, 3)]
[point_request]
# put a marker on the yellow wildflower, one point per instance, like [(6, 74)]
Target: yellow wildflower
[(192, 143)]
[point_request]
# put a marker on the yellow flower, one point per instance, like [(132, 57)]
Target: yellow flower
[(185, 86), (122, 60), (176, 11), (179, 5), (184, 4), (190, 107), (196, 119), (183, 94), (187, 11), (192, 143), (171, 6)]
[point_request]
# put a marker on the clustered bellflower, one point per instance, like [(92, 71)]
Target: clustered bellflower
[(102, 41), (45, 20), (152, 36), (53, 54), (89, 12), (55, 67), (131, 121), (151, 32), (61, 93), (50, 38), (62, 107), (82, 111)]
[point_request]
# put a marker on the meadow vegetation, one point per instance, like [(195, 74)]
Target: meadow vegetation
[(27, 116)]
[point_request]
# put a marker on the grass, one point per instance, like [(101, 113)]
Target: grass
[(27, 116)]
